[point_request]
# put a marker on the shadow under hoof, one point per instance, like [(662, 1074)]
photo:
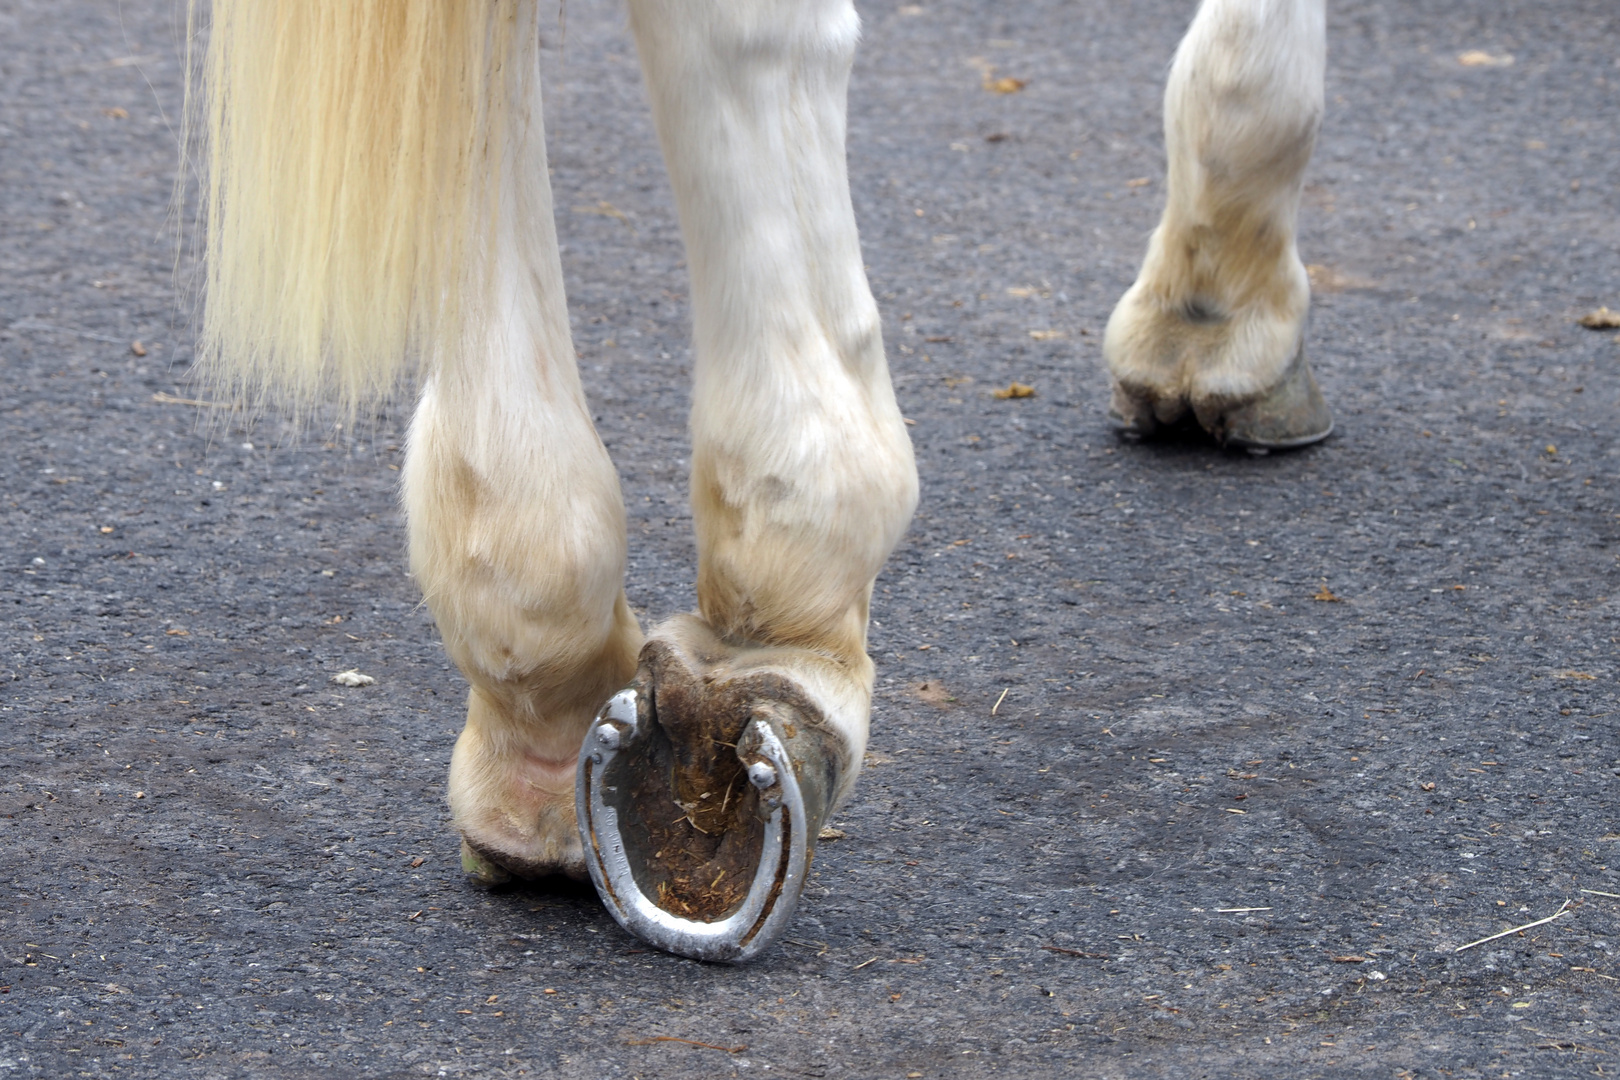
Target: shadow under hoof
[(699, 800), (1183, 433)]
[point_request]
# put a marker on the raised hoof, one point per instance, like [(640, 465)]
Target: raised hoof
[(481, 869), (699, 804), (1289, 415)]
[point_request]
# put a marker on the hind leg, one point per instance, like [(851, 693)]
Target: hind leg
[(1215, 323), (517, 540), (751, 715)]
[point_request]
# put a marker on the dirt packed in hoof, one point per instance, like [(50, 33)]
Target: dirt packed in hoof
[(699, 837), (697, 819)]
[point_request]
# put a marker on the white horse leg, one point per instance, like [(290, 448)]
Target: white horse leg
[(1215, 323), (517, 539), (802, 472)]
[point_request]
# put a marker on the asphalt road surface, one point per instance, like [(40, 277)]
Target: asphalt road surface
[(1184, 762)]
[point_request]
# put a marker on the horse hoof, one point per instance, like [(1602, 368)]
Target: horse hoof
[(699, 803), (482, 870), (1289, 415), (1130, 416)]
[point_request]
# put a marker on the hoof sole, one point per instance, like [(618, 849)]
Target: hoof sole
[(701, 852)]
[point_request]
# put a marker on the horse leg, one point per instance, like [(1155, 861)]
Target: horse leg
[(703, 788), (517, 539), (1215, 323)]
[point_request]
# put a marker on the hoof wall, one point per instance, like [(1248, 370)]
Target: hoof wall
[(1130, 415), (1290, 415), (480, 869)]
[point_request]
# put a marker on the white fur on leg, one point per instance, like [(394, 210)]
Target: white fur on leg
[(517, 539), (802, 473), (1217, 313)]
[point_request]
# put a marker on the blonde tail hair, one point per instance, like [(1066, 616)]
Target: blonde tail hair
[(353, 158)]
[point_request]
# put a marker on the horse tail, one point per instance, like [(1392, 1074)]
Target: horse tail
[(352, 155)]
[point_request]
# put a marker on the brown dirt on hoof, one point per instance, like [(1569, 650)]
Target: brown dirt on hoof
[(698, 861), (696, 820)]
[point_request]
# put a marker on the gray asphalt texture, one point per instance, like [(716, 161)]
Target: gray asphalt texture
[(1114, 697)]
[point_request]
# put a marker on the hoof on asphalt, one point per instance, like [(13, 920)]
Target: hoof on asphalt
[(483, 870), (700, 798), (1129, 430), (1131, 415), (1289, 415)]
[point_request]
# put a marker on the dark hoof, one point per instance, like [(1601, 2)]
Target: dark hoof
[(481, 868), (1290, 415), (1130, 415), (699, 802)]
